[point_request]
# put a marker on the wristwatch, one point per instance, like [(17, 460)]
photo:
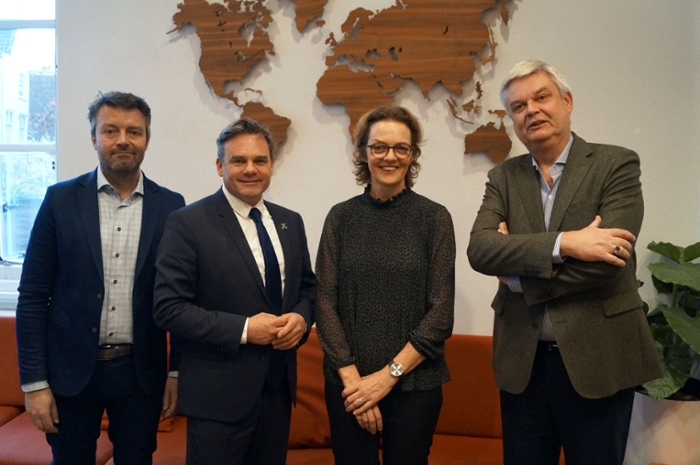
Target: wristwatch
[(396, 369)]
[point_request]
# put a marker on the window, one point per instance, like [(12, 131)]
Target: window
[(28, 110)]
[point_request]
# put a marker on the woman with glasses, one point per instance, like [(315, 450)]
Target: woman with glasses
[(385, 300)]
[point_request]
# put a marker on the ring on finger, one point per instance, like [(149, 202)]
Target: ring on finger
[(359, 399), (364, 414), (616, 250)]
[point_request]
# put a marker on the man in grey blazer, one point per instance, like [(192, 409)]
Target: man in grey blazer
[(234, 284), (558, 226)]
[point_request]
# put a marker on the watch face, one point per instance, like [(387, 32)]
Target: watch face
[(396, 369)]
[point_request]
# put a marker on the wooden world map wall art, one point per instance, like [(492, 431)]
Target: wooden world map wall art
[(428, 42)]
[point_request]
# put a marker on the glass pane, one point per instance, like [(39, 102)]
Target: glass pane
[(28, 91), (24, 178), (27, 9)]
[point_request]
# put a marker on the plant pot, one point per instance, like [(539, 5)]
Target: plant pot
[(665, 431)]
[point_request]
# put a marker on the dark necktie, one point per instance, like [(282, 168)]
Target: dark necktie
[(273, 279)]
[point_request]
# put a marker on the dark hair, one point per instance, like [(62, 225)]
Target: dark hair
[(123, 100), (244, 126), (362, 130)]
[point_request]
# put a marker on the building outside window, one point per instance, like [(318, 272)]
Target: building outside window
[(28, 110)]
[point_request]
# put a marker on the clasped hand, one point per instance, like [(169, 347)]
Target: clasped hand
[(283, 332), (362, 397)]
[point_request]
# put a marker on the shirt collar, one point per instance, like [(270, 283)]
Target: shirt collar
[(241, 208), (563, 156), (102, 182)]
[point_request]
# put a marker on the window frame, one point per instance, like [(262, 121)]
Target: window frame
[(9, 275)]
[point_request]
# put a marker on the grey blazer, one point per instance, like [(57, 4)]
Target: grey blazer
[(595, 308)]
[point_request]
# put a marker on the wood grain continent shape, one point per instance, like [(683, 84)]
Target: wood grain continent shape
[(306, 11), (428, 42), (277, 125), (227, 55), (487, 139)]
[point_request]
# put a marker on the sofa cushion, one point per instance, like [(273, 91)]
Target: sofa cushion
[(7, 413), (10, 390), (310, 426), (471, 404), (21, 443)]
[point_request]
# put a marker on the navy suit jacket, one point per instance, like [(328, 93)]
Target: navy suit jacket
[(61, 289), (207, 284)]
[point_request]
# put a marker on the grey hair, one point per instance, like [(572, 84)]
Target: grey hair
[(241, 127), (528, 67)]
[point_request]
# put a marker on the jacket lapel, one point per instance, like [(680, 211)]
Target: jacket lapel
[(233, 227), (151, 209), (530, 194), (577, 166), (89, 213)]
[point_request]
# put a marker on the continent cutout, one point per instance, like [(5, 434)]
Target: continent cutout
[(231, 48), (277, 125), (306, 11), (487, 139), (429, 43)]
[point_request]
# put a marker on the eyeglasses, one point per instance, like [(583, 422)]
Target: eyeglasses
[(381, 150)]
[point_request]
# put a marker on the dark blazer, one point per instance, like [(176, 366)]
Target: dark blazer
[(207, 284), (596, 311), (61, 289)]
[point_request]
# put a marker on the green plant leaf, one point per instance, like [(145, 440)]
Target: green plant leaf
[(685, 274), (662, 287), (687, 328), (667, 249), (675, 362), (691, 252)]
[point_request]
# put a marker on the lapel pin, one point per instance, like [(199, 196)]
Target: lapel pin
[(283, 225)]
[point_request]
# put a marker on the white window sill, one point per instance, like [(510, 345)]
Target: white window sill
[(9, 280)]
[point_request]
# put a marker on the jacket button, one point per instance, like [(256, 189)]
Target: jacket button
[(99, 296), (94, 330)]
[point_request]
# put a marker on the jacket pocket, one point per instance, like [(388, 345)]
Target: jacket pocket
[(621, 303), (498, 303)]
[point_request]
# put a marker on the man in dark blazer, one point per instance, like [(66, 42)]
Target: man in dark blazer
[(558, 226), (234, 283), (85, 331)]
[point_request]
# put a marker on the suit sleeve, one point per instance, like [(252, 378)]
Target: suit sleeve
[(176, 287), (619, 204), (35, 289)]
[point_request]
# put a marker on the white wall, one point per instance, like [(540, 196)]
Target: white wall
[(633, 67)]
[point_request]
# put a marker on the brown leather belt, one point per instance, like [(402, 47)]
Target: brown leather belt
[(107, 352)]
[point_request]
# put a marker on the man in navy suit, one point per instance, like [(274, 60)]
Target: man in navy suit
[(234, 284), (85, 331)]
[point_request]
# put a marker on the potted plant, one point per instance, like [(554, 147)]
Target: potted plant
[(675, 322)]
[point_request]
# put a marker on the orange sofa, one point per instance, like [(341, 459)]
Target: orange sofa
[(468, 432)]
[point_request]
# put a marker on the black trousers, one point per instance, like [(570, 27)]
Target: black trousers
[(409, 420), (550, 414), (133, 418), (258, 439)]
